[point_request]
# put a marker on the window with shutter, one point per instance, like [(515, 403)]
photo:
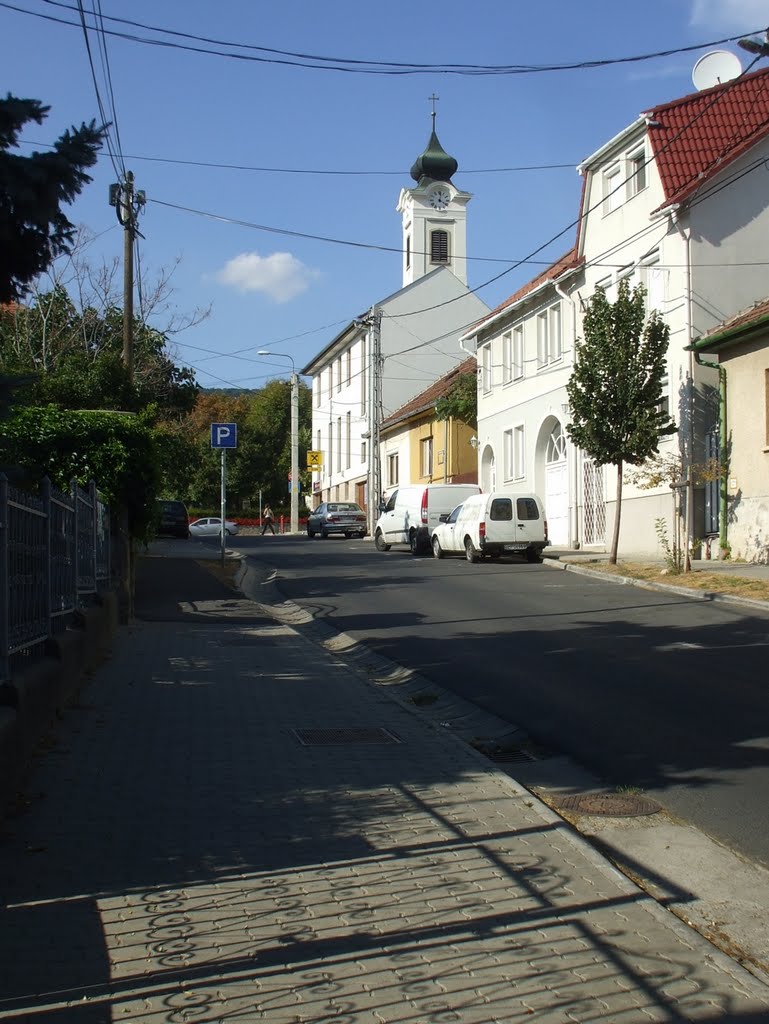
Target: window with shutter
[(439, 247)]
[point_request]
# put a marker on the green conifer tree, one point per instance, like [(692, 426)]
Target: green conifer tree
[(33, 230)]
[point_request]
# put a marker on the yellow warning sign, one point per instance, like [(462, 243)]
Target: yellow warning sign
[(315, 460)]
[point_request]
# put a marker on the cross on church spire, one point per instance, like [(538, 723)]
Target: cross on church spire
[(433, 99)]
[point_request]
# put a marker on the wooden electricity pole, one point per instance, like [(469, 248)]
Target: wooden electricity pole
[(128, 204)]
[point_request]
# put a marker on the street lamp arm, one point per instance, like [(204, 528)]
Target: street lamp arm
[(278, 355)]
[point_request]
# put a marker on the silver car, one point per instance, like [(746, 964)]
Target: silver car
[(212, 527), (337, 517)]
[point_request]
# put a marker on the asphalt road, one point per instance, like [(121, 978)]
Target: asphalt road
[(646, 689)]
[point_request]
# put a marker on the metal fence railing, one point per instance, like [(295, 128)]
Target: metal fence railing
[(54, 559)]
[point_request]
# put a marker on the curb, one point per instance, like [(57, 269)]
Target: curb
[(714, 596)]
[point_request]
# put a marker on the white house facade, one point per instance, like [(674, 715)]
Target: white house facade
[(675, 202), (399, 345)]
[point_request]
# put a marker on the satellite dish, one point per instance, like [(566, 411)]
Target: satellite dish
[(715, 68)]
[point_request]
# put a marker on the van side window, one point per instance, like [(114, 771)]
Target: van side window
[(391, 502), (527, 508), (502, 509)]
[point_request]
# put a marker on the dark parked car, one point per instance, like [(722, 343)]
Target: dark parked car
[(173, 518), (337, 517)]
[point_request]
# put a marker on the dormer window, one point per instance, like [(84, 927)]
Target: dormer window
[(636, 172), (623, 179), (612, 190), (439, 247)]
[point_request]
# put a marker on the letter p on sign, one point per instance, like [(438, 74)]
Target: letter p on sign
[(224, 435)]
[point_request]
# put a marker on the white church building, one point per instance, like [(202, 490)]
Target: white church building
[(398, 344)]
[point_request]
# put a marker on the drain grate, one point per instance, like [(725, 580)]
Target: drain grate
[(612, 805), (510, 756), (330, 737)]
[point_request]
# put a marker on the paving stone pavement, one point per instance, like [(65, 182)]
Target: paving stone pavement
[(234, 826)]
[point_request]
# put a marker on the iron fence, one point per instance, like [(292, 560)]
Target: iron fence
[(54, 559)]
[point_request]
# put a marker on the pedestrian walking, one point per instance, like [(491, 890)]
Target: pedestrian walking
[(267, 518)]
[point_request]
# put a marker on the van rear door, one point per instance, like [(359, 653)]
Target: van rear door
[(499, 521), (530, 527)]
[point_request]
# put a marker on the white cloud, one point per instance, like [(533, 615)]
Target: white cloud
[(730, 16), (280, 276)]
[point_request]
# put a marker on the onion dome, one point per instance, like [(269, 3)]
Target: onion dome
[(435, 163)]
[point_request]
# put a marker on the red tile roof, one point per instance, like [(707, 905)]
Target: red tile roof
[(427, 399), (694, 137), (729, 329), (568, 261)]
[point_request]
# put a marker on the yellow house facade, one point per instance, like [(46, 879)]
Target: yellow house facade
[(417, 447)]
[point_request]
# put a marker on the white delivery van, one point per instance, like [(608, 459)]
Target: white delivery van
[(489, 525), (411, 513)]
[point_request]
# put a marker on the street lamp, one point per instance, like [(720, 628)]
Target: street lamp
[(761, 49), (294, 436)]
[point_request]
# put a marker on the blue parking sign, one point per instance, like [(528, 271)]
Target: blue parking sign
[(224, 435)]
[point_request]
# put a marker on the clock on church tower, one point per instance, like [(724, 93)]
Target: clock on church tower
[(434, 216)]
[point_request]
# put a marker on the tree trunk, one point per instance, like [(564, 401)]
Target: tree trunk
[(617, 513)]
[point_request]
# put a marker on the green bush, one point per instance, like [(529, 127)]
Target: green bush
[(116, 450)]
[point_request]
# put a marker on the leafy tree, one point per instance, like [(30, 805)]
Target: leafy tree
[(616, 386), (262, 460), (461, 402), (76, 358), (33, 230)]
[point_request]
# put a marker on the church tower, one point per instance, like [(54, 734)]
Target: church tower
[(434, 215)]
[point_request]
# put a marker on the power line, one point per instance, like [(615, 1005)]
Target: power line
[(581, 218), (261, 54), (341, 173), (239, 222), (106, 120), (596, 262), (107, 72)]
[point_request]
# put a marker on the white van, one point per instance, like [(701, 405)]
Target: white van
[(489, 525), (411, 513)]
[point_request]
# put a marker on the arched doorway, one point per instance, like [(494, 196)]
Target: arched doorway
[(488, 478), (551, 450)]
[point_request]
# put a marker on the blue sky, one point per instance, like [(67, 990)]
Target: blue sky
[(287, 132)]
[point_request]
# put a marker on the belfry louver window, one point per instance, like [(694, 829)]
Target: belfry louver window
[(439, 247)]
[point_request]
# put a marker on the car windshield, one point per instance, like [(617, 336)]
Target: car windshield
[(344, 507)]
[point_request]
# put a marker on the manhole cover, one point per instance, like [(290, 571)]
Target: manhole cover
[(613, 805), (328, 737)]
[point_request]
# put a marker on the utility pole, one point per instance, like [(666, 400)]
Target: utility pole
[(128, 205), (294, 451)]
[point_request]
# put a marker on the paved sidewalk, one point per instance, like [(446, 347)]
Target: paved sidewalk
[(233, 826)]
